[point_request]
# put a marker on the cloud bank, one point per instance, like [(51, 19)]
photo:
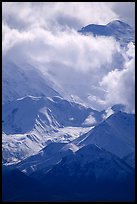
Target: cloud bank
[(72, 14), (85, 67)]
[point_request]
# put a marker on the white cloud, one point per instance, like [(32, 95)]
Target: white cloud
[(78, 62), (120, 84), (11, 37), (73, 14), (90, 120)]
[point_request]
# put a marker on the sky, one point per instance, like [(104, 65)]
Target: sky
[(45, 34)]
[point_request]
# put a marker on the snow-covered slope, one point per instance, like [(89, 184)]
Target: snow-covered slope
[(115, 134), (44, 159), (21, 115), (24, 114), (21, 80), (121, 31), (30, 123), (17, 147)]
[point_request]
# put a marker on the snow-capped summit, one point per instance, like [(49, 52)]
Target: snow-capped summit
[(121, 31), (96, 30)]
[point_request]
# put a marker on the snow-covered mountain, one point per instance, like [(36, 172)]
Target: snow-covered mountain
[(115, 134), (121, 31), (30, 123)]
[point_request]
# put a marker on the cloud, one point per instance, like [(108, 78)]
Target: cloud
[(90, 120), (68, 56), (11, 37), (68, 47), (120, 84), (49, 15), (85, 67)]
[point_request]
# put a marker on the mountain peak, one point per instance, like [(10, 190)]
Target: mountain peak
[(122, 32), (118, 23)]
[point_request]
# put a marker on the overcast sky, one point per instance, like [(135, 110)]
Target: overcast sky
[(46, 33)]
